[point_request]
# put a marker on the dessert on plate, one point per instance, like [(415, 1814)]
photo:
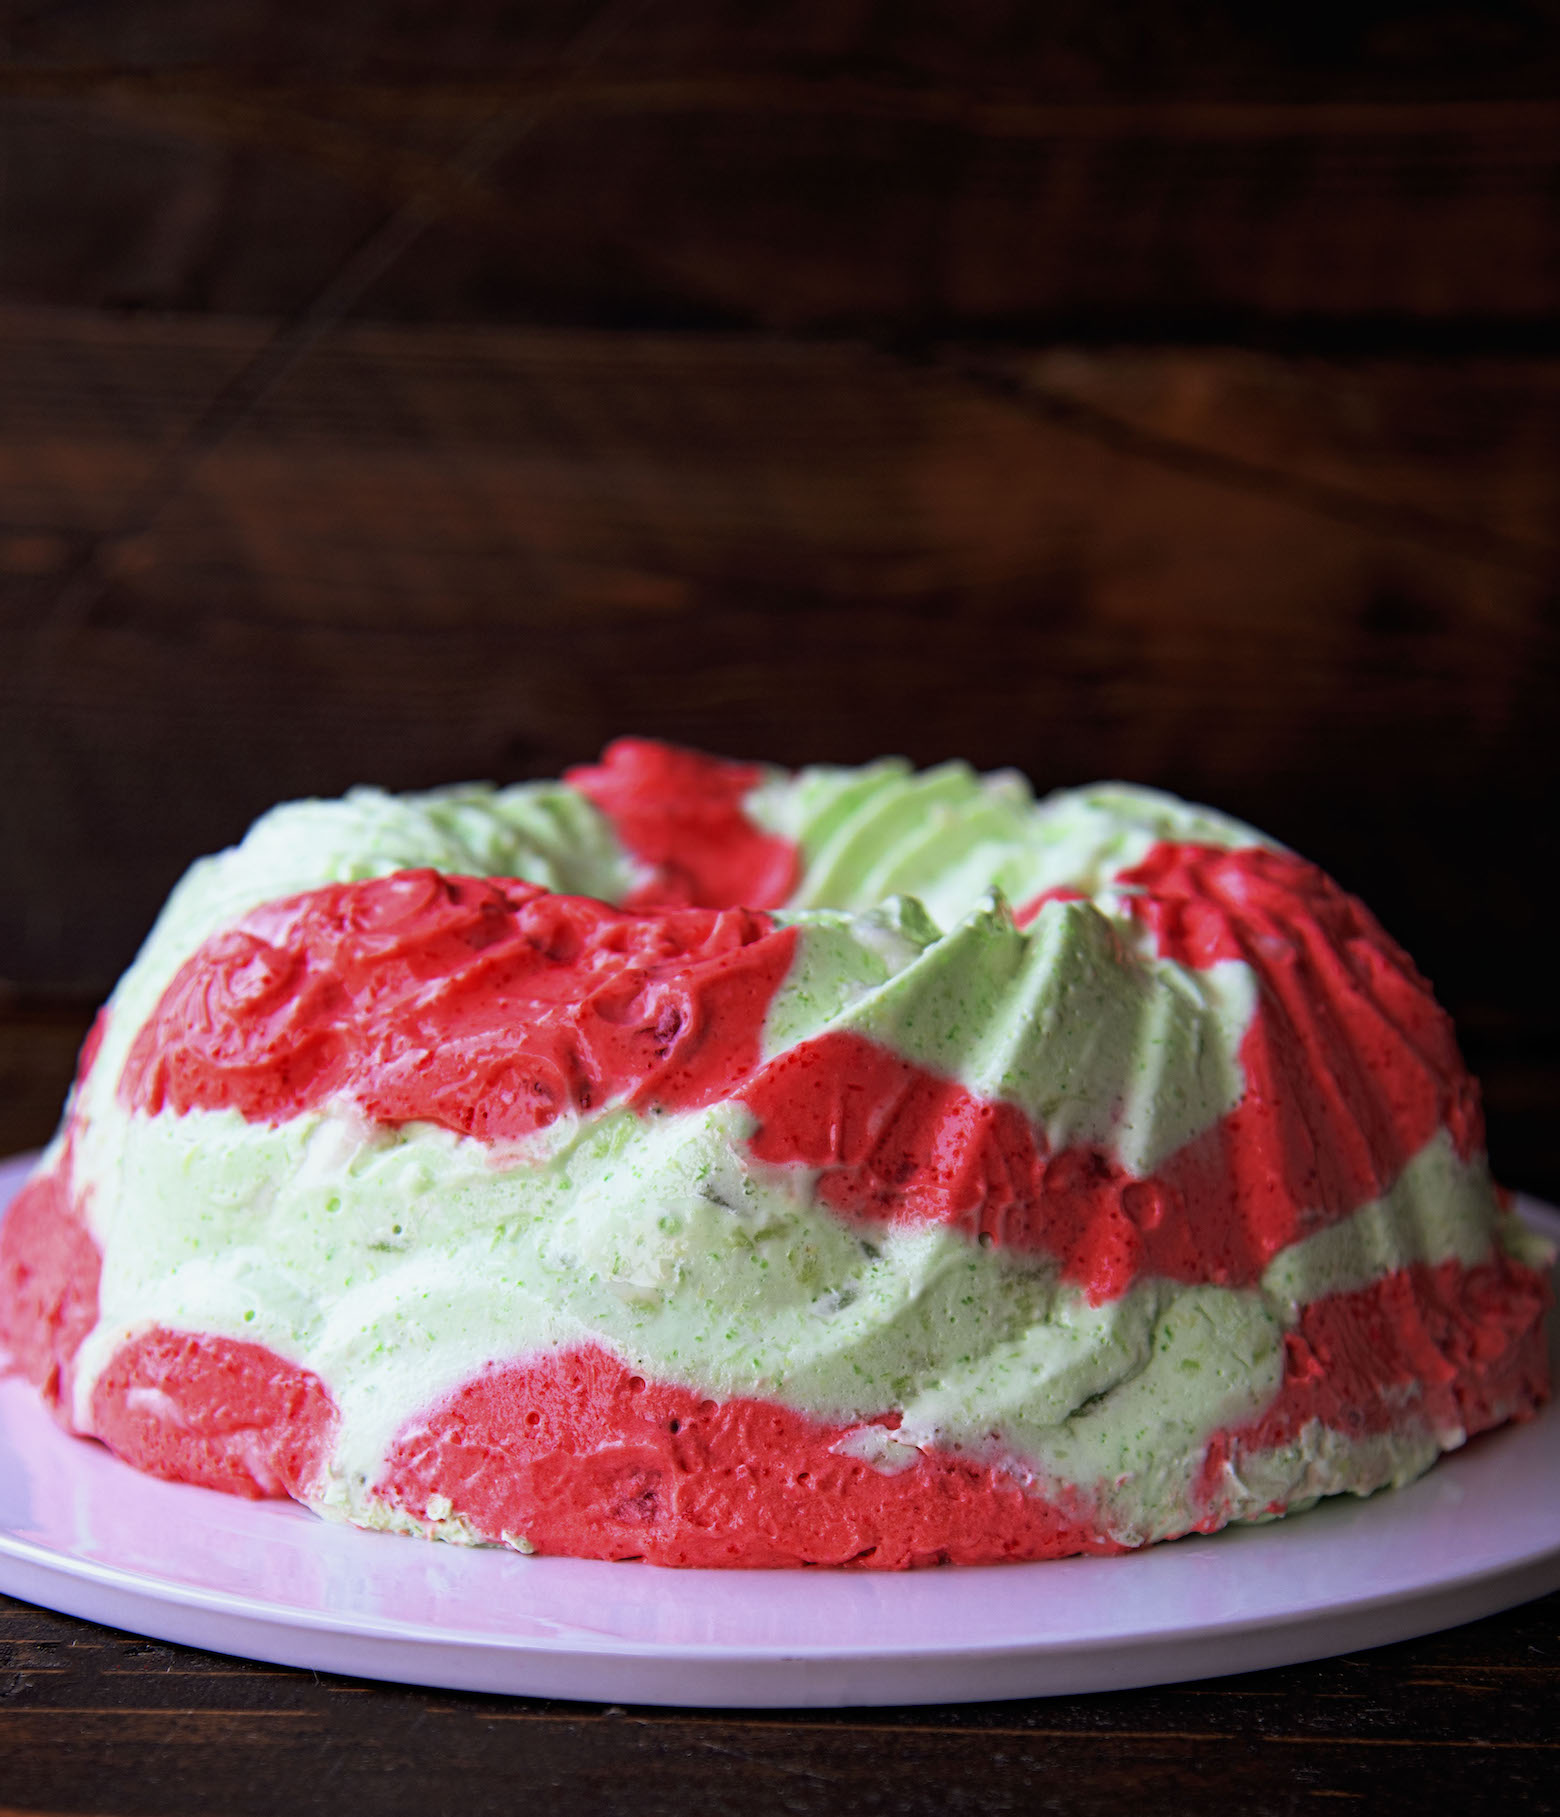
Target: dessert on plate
[(704, 1163)]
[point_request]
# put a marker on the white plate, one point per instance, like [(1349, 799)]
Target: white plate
[(82, 1533)]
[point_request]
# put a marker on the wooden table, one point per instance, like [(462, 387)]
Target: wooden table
[(94, 1721)]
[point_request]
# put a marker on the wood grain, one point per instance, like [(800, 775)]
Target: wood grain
[(938, 169), (1461, 1718), (717, 198), (1319, 592)]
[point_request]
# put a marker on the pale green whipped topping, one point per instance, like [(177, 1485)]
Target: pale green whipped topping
[(1439, 1209), (396, 1263), (1066, 1018), (948, 835), (545, 832)]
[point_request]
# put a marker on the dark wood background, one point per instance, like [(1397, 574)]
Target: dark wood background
[(408, 393), (92, 1721), (414, 393)]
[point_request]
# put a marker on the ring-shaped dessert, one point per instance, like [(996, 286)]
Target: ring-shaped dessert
[(697, 1162)]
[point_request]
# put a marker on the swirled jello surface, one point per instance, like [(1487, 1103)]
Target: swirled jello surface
[(702, 1163)]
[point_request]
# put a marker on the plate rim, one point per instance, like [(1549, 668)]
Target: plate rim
[(348, 1625)]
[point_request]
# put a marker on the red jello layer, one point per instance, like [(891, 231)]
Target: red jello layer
[(1447, 1347), (1351, 1065), (582, 1457), (49, 1270), (490, 1007), (681, 814), (214, 1411), (895, 1142)]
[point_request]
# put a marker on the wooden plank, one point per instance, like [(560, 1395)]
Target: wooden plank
[(1139, 51), (1316, 591), (719, 197), (39, 1041), (153, 1728), (763, 546)]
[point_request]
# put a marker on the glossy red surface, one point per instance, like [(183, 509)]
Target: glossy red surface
[(1459, 1349), (49, 1269), (582, 1456), (489, 1007), (214, 1411), (681, 814)]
